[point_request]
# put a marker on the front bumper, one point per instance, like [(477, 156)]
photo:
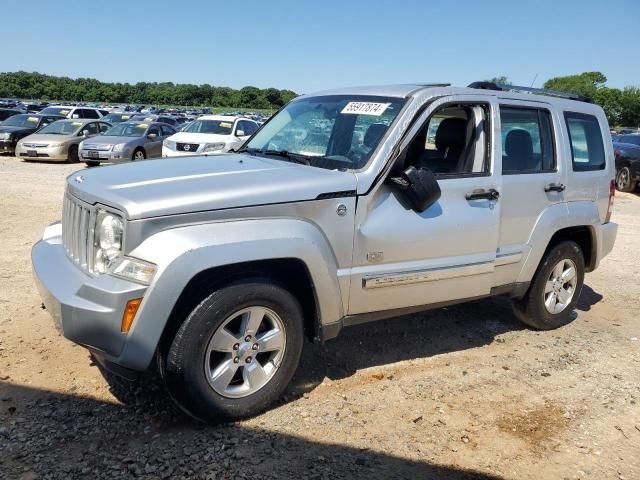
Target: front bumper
[(85, 309), (167, 152), (105, 156), (7, 146), (42, 153)]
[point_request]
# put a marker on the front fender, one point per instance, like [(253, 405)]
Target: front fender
[(181, 253)]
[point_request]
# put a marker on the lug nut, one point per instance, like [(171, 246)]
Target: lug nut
[(236, 359), (248, 360), (247, 338), (255, 346), (236, 346)]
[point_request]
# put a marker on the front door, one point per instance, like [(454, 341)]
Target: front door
[(404, 258)]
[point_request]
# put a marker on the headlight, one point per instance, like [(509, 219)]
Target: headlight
[(119, 147), (5, 136), (169, 144), (107, 240), (212, 147), (135, 270)]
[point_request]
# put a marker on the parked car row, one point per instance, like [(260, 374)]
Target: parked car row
[(627, 154)]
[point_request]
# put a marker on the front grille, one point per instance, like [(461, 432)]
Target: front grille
[(97, 146), (187, 147), (77, 230), (35, 145)]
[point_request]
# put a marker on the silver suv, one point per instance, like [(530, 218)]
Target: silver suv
[(347, 206)]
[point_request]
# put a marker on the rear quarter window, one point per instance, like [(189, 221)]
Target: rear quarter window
[(587, 147)]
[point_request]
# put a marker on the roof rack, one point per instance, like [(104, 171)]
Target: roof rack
[(540, 91)]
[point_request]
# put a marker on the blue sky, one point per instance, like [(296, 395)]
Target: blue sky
[(305, 46)]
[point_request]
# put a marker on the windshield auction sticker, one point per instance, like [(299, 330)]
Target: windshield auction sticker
[(365, 108)]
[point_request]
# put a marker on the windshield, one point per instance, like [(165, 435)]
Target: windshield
[(117, 117), (334, 132), (220, 127), (62, 128), (62, 111), (127, 130), (27, 121)]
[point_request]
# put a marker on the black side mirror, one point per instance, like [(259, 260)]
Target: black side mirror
[(419, 186)]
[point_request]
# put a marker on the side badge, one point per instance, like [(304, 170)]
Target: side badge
[(341, 210), (375, 257)]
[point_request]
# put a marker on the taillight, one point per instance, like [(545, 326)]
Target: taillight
[(612, 194)]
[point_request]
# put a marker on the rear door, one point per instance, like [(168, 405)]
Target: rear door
[(533, 180)]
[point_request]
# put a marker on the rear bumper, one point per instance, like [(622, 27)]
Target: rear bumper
[(606, 238), (85, 309)]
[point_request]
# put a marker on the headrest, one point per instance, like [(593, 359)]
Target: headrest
[(451, 132), (374, 134), (518, 144)]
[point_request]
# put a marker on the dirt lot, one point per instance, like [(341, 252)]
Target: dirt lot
[(463, 392)]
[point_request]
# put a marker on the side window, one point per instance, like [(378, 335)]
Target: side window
[(88, 113), (587, 147), (241, 125), (166, 130), (250, 128), (104, 127), (155, 130), (452, 142), (527, 140), (91, 128), (77, 113)]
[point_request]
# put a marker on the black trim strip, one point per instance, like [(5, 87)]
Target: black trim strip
[(343, 194)]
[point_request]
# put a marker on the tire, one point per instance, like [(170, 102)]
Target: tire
[(191, 362), (91, 163), (533, 309), (73, 154), (138, 154), (624, 181)]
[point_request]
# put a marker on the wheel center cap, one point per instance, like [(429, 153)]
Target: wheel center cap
[(244, 349)]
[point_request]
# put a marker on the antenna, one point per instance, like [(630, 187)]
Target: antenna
[(534, 80)]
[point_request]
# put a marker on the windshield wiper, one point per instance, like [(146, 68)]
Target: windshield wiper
[(296, 157)]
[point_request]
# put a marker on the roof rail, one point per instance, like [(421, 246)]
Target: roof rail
[(540, 91), (434, 84)]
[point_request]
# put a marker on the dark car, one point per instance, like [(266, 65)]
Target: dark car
[(627, 152), (8, 112), (19, 126), (151, 117), (117, 117)]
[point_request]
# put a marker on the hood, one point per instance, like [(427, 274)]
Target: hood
[(110, 140), (49, 138), (8, 129), (174, 185), (188, 137)]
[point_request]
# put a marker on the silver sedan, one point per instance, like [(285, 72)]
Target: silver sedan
[(126, 141)]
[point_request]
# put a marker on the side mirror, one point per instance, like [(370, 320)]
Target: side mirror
[(239, 133), (152, 136), (84, 133), (419, 186)]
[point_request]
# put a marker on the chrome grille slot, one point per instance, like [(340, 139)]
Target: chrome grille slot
[(76, 227)]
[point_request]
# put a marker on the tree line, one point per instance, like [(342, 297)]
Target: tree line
[(622, 106), (33, 85)]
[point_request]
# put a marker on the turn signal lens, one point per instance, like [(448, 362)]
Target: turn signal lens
[(130, 311)]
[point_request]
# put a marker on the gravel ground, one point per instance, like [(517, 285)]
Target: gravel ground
[(462, 392)]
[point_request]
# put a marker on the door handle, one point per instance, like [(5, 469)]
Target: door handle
[(482, 194), (554, 187)]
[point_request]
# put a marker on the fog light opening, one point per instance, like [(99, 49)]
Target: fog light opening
[(129, 314)]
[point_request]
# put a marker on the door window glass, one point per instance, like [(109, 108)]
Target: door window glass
[(526, 140)]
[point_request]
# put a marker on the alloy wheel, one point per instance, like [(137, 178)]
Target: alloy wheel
[(561, 286), (245, 352)]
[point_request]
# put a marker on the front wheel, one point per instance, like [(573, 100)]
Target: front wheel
[(73, 154), (624, 182), (555, 289), (236, 352), (138, 155)]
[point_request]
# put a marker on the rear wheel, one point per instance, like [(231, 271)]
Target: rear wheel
[(555, 289), (236, 352), (624, 181), (138, 155)]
